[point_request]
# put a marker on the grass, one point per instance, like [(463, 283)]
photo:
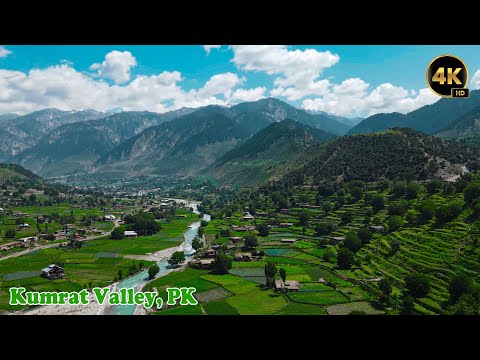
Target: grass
[(318, 298), (219, 308), (182, 310), (301, 309), (345, 309)]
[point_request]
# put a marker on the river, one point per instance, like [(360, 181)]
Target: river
[(141, 278)]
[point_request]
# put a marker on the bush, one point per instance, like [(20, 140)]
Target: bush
[(426, 211), (395, 222), (378, 203), (418, 285), (352, 242), (324, 228), (345, 258), (117, 234), (10, 233), (347, 217), (364, 235)]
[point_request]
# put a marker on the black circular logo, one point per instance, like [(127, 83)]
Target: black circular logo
[(445, 73)]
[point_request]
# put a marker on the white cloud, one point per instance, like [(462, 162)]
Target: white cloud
[(116, 66), (351, 98), (63, 87), (209, 48), (249, 94), (475, 82), (297, 71), (4, 52)]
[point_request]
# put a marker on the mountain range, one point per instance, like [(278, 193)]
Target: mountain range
[(241, 145)]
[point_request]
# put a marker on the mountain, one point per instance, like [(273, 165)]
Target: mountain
[(429, 119), (403, 153), (8, 117), (275, 110), (23, 132), (269, 154), (74, 147), (344, 120), (181, 147), (465, 126), (16, 172)]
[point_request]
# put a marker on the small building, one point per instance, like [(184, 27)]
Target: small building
[(23, 226), (110, 218), (216, 247), (285, 225), (289, 285), (243, 228), (376, 228), (129, 233), (248, 217), (53, 272), (236, 239), (206, 263), (9, 246), (337, 239), (243, 257), (210, 253), (288, 241), (1, 209)]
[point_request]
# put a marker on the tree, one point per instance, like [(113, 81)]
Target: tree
[(324, 228), (394, 245), (399, 208), (222, 263), (395, 222), (197, 243), (433, 186), (120, 274), (304, 217), (270, 272), (326, 207), (345, 258), (10, 233), (224, 232), (378, 203), (418, 285), (117, 234), (203, 223), (263, 230), (471, 192), (328, 254), (352, 242), (32, 198), (426, 211), (347, 217), (152, 271), (364, 235), (399, 188), (467, 304), (408, 304), (411, 191), (385, 287), (448, 212), (251, 240), (356, 193), (283, 274), (459, 285), (177, 257)]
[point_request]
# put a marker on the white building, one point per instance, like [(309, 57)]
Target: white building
[(130, 233), (109, 218)]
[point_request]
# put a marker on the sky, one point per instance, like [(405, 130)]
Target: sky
[(351, 81)]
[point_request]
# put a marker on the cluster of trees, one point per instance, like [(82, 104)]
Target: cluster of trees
[(142, 223)]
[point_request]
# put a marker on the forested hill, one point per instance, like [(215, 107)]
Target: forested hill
[(13, 171), (270, 153), (397, 153)]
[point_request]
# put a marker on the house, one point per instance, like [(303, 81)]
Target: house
[(248, 217), (243, 257), (1, 209), (53, 271), (23, 226), (288, 241), (110, 218), (236, 239), (216, 247), (243, 228), (210, 253), (289, 285), (376, 228), (336, 239), (261, 214), (205, 263), (129, 233), (285, 225), (9, 246)]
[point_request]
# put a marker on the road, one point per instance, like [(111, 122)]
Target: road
[(47, 246)]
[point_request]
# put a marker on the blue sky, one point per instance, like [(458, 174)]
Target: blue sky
[(344, 80)]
